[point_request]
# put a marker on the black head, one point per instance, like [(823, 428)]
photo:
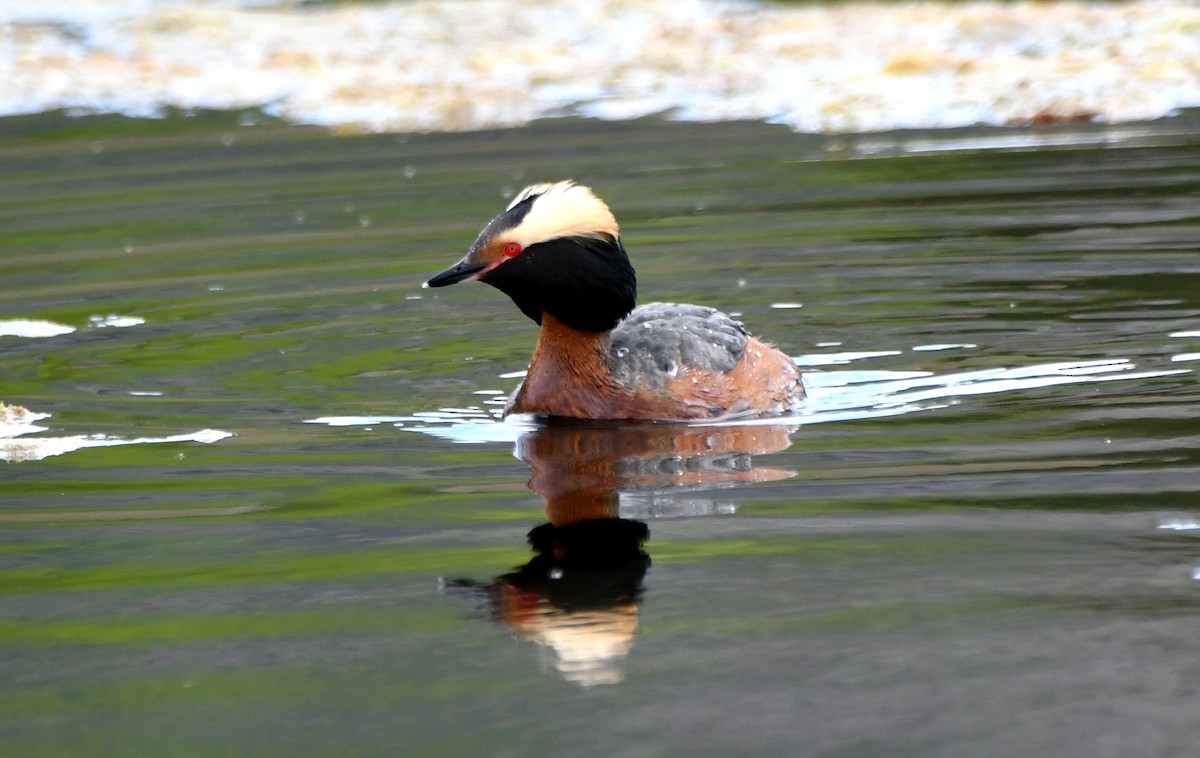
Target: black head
[(556, 249)]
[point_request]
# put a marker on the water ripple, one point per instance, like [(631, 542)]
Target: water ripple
[(833, 396)]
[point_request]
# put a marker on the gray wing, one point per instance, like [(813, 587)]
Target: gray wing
[(658, 340)]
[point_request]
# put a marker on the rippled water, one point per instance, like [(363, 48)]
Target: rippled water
[(239, 514)]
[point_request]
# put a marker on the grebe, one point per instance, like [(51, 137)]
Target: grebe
[(556, 251)]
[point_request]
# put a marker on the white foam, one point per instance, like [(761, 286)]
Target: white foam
[(943, 346), (430, 65), (32, 328), (37, 448), (833, 359), (1180, 525), (360, 420), (113, 320)]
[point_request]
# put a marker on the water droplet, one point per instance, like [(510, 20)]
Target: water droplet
[(741, 282), (410, 171), (555, 573)]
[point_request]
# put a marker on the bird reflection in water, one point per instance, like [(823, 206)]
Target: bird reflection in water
[(579, 596)]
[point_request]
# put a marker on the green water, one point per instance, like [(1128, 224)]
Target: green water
[(984, 572)]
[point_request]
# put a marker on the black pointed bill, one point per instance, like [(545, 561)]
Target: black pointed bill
[(464, 269)]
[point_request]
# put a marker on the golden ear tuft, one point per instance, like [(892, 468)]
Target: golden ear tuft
[(562, 209), (536, 189)]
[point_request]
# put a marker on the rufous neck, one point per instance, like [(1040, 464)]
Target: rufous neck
[(558, 338)]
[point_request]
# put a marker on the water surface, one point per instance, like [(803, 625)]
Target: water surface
[(980, 538)]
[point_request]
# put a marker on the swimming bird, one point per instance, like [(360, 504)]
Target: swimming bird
[(557, 252)]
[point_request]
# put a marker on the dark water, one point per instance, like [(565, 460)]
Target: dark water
[(978, 540)]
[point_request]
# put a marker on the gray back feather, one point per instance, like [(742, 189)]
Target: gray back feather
[(658, 340)]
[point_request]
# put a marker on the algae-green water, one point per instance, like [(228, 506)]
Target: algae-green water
[(1000, 560)]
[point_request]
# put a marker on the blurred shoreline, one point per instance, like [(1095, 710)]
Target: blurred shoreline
[(455, 65)]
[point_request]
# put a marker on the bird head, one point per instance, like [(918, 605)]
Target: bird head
[(555, 249)]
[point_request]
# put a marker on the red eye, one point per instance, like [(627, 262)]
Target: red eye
[(512, 249)]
